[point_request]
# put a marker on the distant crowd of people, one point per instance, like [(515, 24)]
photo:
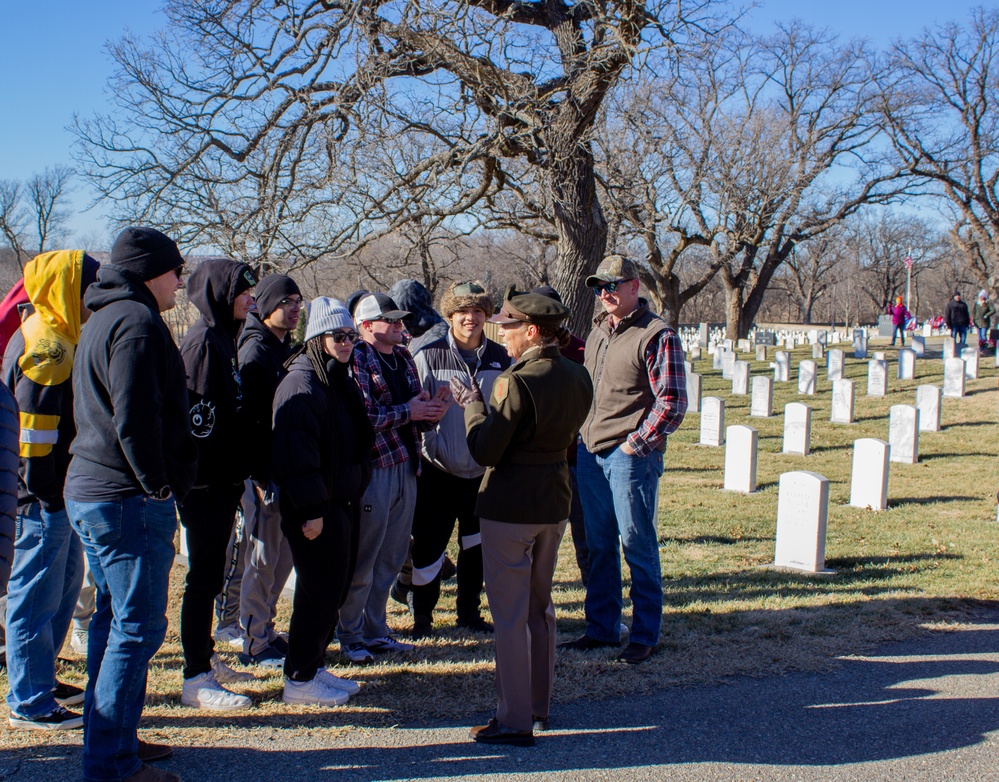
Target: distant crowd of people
[(348, 458)]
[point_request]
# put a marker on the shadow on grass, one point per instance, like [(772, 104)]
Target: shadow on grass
[(724, 540), (896, 502), (928, 457), (886, 706)]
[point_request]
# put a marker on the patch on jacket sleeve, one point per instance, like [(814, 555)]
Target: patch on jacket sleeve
[(501, 388), (202, 419)]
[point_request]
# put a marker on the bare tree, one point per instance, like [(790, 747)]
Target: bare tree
[(754, 136), (13, 218), (291, 106), (808, 272), (939, 101), (36, 204)]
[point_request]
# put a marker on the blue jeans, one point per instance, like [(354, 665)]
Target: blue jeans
[(960, 335), (129, 546), (44, 585), (620, 497)]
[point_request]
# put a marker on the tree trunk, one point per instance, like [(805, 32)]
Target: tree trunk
[(582, 231)]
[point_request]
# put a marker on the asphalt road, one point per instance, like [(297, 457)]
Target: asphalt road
[(914, 711)]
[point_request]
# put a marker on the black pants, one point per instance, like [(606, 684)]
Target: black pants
[(324, 568), (441, 498), (207, 516)]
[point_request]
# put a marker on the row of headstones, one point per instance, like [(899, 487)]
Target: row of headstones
[(904, 425), (956, 371)]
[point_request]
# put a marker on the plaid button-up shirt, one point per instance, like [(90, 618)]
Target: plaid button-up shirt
[(387, 418)]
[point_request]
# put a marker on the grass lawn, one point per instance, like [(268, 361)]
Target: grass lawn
[(921, 564)]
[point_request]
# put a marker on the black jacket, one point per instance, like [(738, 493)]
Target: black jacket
[(956, 315), (261, 368), (321, 440), (213, 381), (9, 461), (129, 397)]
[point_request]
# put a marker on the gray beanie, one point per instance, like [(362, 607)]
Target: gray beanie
[(326, 315)]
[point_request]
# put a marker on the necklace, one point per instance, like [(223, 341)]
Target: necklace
[(393, 364)]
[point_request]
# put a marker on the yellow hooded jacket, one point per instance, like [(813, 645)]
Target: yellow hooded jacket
[(39, 373)]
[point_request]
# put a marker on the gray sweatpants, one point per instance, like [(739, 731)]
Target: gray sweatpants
[(386, 522), (267, 565)]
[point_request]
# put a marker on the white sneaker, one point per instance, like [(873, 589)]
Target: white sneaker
[(349, 686), (317, 692), (204, 692), (230, 634), (226, 675), (388, 644), (78, 641)]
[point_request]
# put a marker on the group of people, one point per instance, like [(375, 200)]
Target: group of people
[(344, 457), (957, 318)]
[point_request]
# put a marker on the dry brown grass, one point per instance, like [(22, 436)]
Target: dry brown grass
[(926, 560)]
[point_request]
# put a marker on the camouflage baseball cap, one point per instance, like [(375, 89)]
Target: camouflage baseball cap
[(613, 268)]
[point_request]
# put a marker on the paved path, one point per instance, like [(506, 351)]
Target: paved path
[(914, 711)]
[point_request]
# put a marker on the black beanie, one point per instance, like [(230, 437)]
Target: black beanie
[(145, 252), (270, 292), (89, 276)]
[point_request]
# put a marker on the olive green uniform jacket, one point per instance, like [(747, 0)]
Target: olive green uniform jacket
[(535, 410)]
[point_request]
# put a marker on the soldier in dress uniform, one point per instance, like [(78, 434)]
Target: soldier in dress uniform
[(535, 410)]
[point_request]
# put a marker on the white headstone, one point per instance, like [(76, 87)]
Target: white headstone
[(712, 421), (695, 352), (728, 364), (903, 434), (782, 366), (859, 344), (879, 355), (877, 378), (818, 351), (906, 364), (761, 352), (740, 459), (949, 349), (928, 403), (740, 378), (802, 509), (842, 402), (693, 392), (918, 346), (970, 356), (953, 377), (762, 403), (806, 377), (702, 334), (869, 484), (834, 365), (716, 357), (744, 345), (927, 330), (797, 428)]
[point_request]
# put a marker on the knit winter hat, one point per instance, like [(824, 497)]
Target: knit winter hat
[(272, 290), (466, 295), (145, 252), (326, 315)]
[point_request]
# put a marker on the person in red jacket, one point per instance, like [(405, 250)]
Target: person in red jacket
[(899, 317)]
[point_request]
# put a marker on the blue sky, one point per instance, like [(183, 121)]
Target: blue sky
[(54, 63)]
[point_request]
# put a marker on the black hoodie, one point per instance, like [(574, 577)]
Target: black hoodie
[(129, 399), (213, 382), (261, 367)]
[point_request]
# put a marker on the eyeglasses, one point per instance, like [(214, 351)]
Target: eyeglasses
[(344, 336), (390, 321), (610, 287), (290, 303), (468, 289), (179, 271)]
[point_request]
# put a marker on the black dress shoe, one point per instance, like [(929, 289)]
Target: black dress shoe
[(585, 643), (635, 653), (494, 733), (474, 623), (541, 724), (149, 752)]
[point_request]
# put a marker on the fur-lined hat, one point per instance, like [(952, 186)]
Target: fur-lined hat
[(466, 295)]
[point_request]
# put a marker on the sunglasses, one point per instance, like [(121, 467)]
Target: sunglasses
[(343, 336), (179, 271), (468, 289), (609, 287), (390, 321)]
